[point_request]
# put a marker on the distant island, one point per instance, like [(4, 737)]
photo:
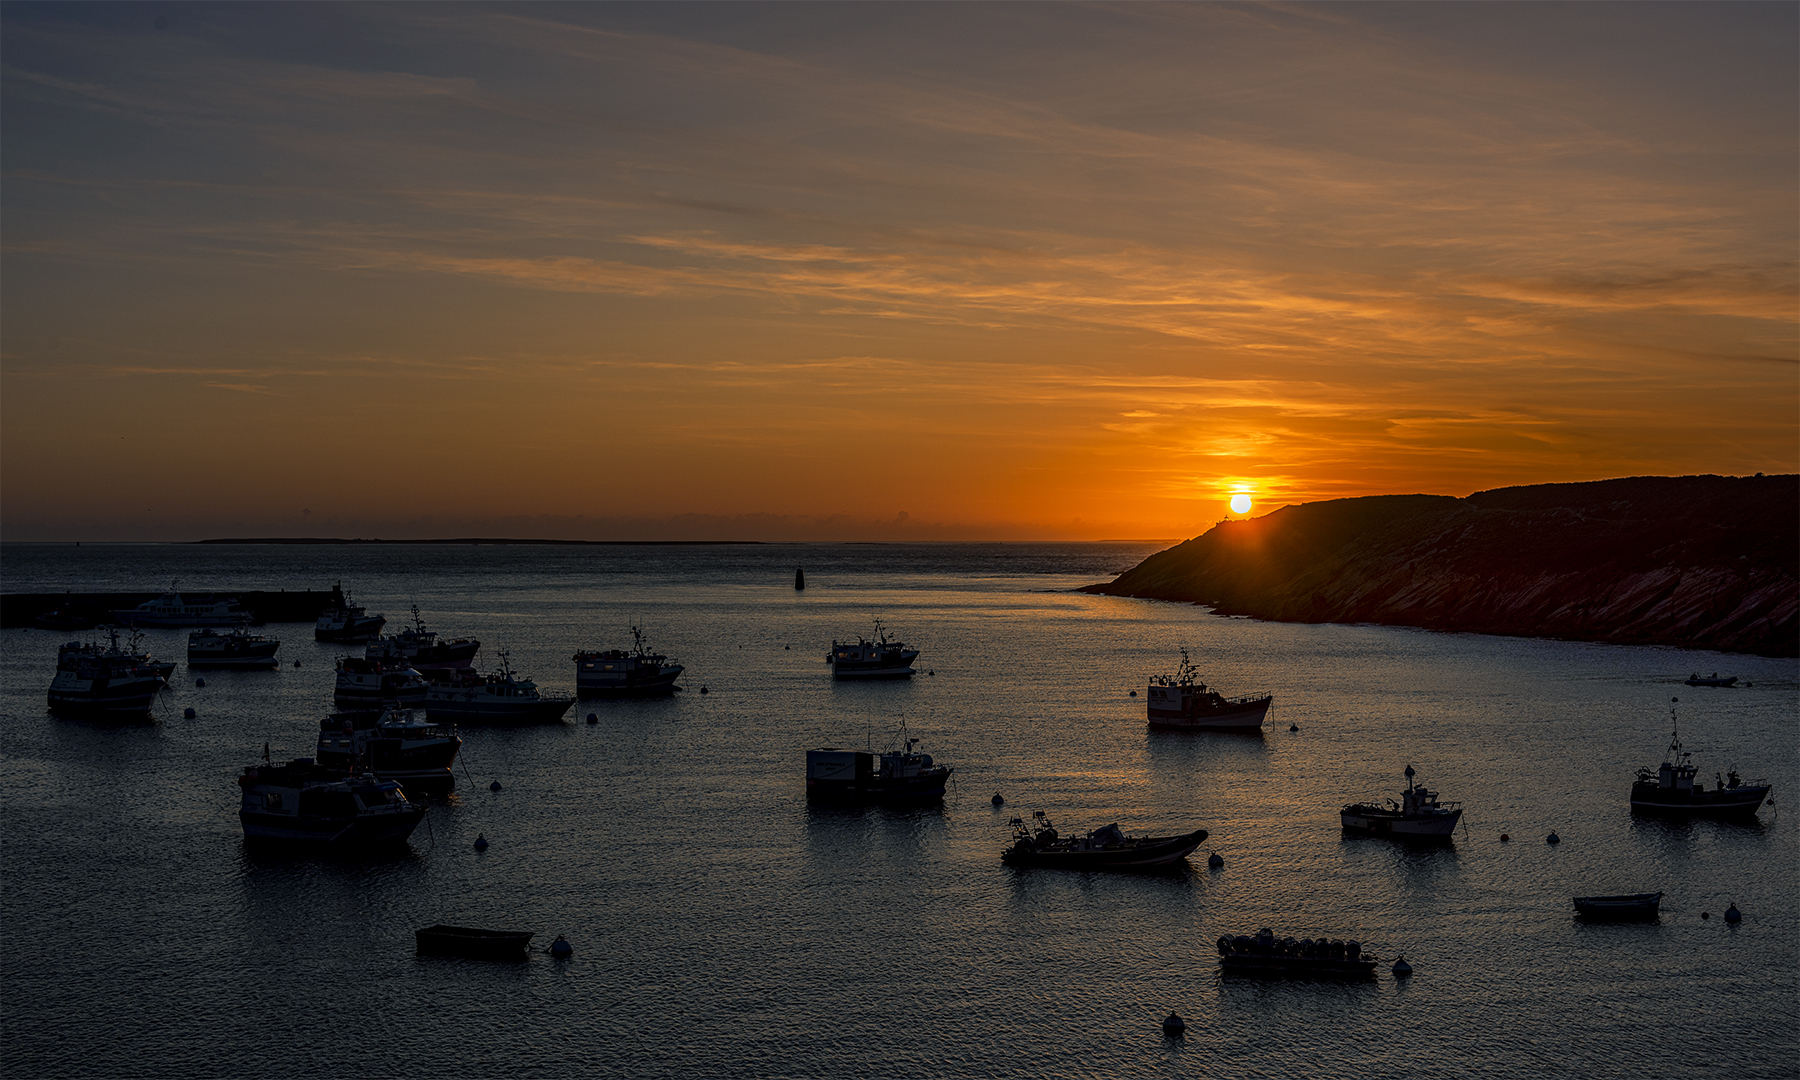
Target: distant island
[(471, 540), (1699, 562)]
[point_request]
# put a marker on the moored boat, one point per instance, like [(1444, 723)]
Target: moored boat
[(1418, 816), (636, 672), (1107, 848), (394, 745), (500, 697), (303, 801), (1623, 908), (1715, 679), (864, 776), (103, 680), (1263, 953), (422, 649), (234, 649), (1671, 791), (343, 620), (471, 942), (371, 686), (173, 609), (1181, 702), (871, 658)]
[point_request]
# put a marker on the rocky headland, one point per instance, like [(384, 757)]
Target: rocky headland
[(1701, 562)]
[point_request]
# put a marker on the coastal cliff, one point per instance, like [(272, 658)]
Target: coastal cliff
[(1701, 562)]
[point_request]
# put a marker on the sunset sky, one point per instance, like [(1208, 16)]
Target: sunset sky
[(879, 271)]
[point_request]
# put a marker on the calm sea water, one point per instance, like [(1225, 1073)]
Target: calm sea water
[(724, 928)]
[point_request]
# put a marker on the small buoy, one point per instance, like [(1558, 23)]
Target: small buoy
[(1293, 727), (1172, 1025), (1134, 693), (703, 689), (199, 682), (561, 949), (495, 786), (1214, 860), (187, 713), (1553, 839), (1732, 914), (998, 801), (480, 842), (296, 663), (1706, 914), (1504, 838), (786, 648), (1401, 968), (593, 719)]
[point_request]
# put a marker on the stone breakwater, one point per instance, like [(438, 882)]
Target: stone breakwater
[(1707, 562)]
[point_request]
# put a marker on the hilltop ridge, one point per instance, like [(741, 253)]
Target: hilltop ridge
[(1704, 562)]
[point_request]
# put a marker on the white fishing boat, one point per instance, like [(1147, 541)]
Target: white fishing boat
[(1418, 815), (394, 744), (102, 680), (173, 609), (345, 620), (371, 686), (864, 776), (234, 649), (500, 697), (306, 802), (871, 658), (422, 650), (1181, 702), (1672, 790), (637, 672)]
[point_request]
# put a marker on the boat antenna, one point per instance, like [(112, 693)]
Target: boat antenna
[(1674, 730)]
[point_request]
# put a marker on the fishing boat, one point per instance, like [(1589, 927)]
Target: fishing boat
[(473, 943), (1263, 953), (394, 744), (1671, 790), (1715, 679), (234, 649), (1619, 908), (306, 802), (637, 672), (871, 658), (834, 775), (64, 619), (1181, 702), (1417, 816), (172, 609), (101, 680), (343, 620), (371, 686), (422, 650), (1037, 843), (500, 697)]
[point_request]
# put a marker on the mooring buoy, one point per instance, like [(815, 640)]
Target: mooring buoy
[(1504, 838), (1293, 727), (1214, 860), (495, 786), (561, 949), (1553, 839), (187, 713), (480, 842), (998, 801), (1173, 1025), (703, 689), (199, 682), (1134, 693), (1732, 914), (1706, 914), (593, 719), (1401, 968)]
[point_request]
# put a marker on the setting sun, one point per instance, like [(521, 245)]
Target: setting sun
[(1240, 503)]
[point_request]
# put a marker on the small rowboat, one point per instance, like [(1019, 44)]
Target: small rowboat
[(1629, 906), (471, 942)]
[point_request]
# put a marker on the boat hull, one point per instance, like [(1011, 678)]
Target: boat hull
[(1371, 821), (872, 671), (360, 629), (119, 697), (1738, 802), (629, 684), (878, 789), (1148, 854), (348, 832), (543, 711), (1169, 709), (1296, 967), (1628, 908), (469, 942)]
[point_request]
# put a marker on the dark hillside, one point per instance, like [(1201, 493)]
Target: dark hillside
[(1710, 562)]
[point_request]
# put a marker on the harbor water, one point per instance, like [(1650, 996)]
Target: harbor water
[(722, 927)]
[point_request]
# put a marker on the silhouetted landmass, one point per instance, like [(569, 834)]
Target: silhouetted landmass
[(471, 540), (1706, 562)]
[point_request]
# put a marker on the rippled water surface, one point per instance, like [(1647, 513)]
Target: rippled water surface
[(724, 928)]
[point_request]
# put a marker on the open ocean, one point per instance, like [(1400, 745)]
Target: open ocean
[(724, 928)]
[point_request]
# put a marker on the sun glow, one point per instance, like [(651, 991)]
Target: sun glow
[(1240, 503)]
